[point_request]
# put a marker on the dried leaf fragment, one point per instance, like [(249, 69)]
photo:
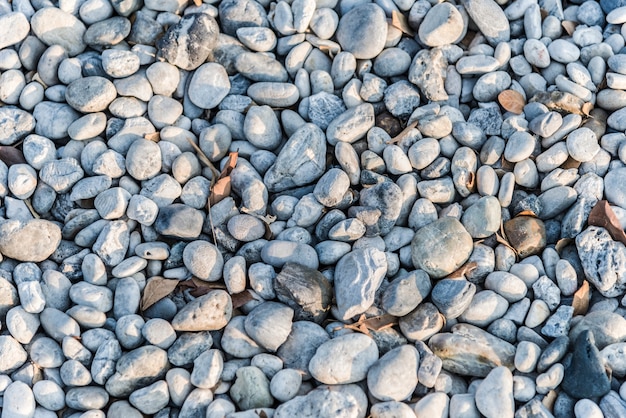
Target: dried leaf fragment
[(512, 101), (156, 289), (11, 155), (602, 215), (462, 271), (197, 2), (375, 323), (569, 26), (154, 136), (221, 188), (240, 299), (581, 299), (398, 20)]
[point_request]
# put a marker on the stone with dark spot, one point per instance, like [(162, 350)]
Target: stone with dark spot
[(188, 43)]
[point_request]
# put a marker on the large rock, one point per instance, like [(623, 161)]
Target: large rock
[(301, 161), (441, 247), (603, 260), (362, 31), (357, 277), (33, 240)]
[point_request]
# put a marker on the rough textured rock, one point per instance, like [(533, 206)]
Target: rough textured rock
[(603, 260)]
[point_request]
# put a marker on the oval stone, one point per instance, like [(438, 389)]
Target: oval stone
[(441, 247)]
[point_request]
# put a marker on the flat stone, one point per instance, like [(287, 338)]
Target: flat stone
[(442, 25), (251, 389), (15, 28), (428, 72), (607, 328), (13, 355), (357, 277), (441, 247), (526, 234), (406, 292), (452, 296), (203, 260), (15, 124)]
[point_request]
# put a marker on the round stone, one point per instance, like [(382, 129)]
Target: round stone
[(362, 31), (208, 86), (143, 160), (441, 247), (90, 94), (203, 260)]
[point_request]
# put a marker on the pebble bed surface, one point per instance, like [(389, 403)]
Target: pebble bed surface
[(425, 216)]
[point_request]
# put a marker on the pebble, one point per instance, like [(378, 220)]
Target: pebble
[(344, 359), (325, 401), (362, 31), (494, 395), (251, 389), (435, 258), (67, 30), (602, 260), (401, 362), (214, 309)]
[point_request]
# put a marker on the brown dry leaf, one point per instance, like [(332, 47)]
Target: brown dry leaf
[(154, 136), (587, 108), (463, 270), (398, 20), (569, 26), (240, 299), (375, 323), (197, 2), (11, 155), (602, 215), (156, 289), (221, 188), (581, 299), (512, 101)]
